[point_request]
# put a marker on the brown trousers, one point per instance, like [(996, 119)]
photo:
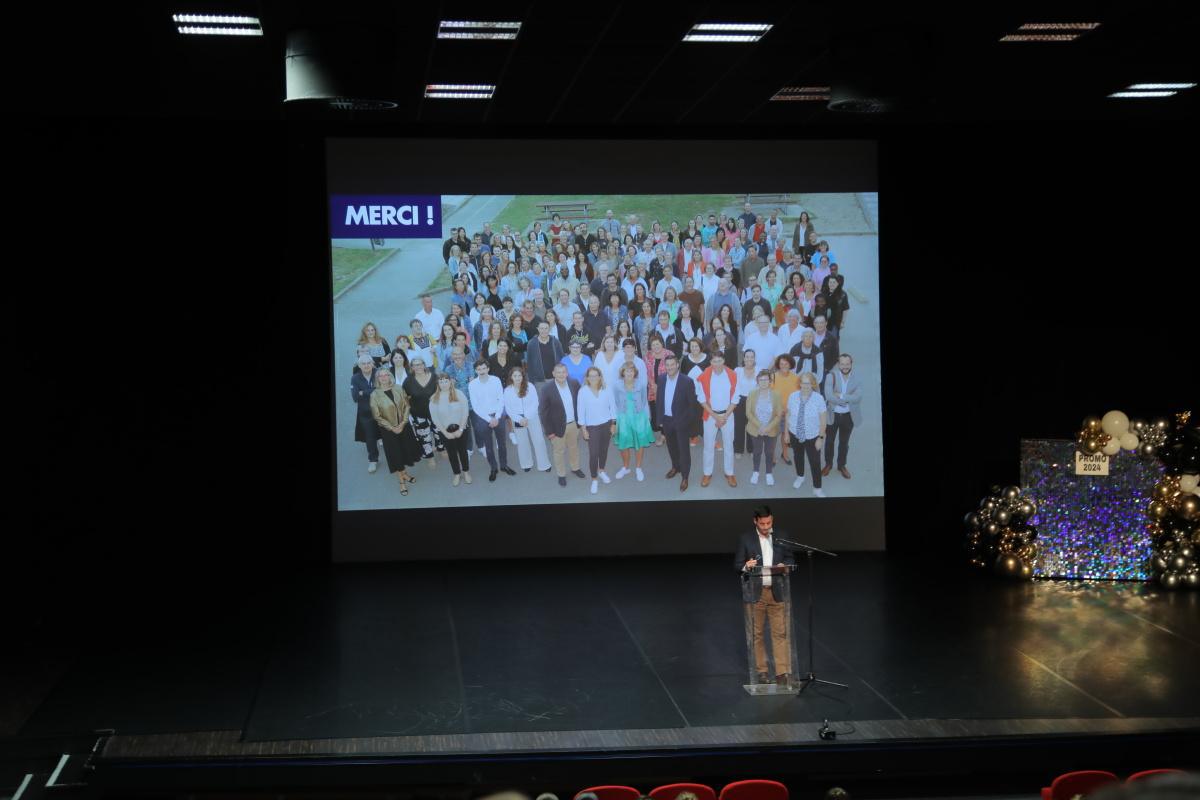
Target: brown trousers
[(568, 445), (768, 608)]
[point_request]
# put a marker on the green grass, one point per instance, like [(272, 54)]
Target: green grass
[(649, 207), (350, 262), (441, 283), (831, 213)]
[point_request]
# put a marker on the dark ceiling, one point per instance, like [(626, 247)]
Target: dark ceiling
[(624, 64)]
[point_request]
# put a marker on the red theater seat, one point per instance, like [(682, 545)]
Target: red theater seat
[(755, 790), (1152, 773), (1083, 782), (672, 790), (612, 792)]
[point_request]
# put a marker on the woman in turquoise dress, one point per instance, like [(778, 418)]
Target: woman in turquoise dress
[(634, 433)]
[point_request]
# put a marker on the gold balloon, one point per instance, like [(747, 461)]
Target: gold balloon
[(1189, 507), (1158, 510), (1026, 571), (1092, 424), (1169, 580), (1008, 566)]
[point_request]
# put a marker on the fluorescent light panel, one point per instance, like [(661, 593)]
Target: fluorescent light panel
[(1142, 94), (801, 93), (735, 32), (1040, 37), (1059, 26), (1150, 90), (217, 25), (1158, 86), (460, 91), (457, 29), (1051, 31)]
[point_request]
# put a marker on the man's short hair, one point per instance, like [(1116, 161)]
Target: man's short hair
[(762, 511), (481, 361), (846, 355), (670, 356)]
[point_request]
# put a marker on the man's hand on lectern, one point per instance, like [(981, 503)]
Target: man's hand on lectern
[(751, 564)]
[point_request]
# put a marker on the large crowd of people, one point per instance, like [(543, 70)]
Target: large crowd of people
[(720, 333)]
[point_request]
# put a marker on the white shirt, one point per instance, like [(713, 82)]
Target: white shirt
[(606, 366), (789, 338), (720, 387), (812, 414), (765, 348), (520, 409), (840, 388), (612, 374), (768, 559), (564, 391), (432, 321), (487, 396), (596, 409), (661, 288), (669, 395)]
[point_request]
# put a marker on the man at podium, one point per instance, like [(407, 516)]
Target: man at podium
[(757, 549)]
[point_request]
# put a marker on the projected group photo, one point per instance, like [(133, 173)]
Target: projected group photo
[(577, 349)]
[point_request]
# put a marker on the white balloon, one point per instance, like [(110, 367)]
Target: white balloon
[(1129, 440), (1188, 483), (1112, 448), (1114, 423)]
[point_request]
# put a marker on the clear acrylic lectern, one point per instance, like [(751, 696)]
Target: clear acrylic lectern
[(770, 637)]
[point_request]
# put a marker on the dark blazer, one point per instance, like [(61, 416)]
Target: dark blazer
[(550, 407), (748, 548), (533, 357), (684, 407)]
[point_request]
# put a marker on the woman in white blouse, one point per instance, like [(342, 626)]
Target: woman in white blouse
[(608, 356), (596, 416), (806, 419), (521, 405)]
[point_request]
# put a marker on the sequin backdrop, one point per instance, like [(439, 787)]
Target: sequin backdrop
[(1089, 526)]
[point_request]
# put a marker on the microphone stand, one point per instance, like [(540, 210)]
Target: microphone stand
[(809, 551)]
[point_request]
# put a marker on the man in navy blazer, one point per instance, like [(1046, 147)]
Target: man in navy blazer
[(757, 548), (557, 404), (677, 411)]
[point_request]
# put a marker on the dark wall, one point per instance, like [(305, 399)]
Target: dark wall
[(169, 288)]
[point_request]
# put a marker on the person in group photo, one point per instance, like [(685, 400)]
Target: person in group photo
[(521, 406), (398, 364), (373, 343), (486, 398), (575, 361), (557, 400), (597, 421), (747, 375), (542, 353), (843, 394), (420, 386), (805, 430), (608, 357), (717, 394), (390, 410), (677, 415), (764, 412), (362, 384), (634, 429), (785, 381), (503, 361), (448, 408)]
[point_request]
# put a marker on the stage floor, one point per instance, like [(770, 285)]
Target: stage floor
[(629, 654)]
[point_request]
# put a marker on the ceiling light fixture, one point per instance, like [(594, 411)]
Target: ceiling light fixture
[(460, 91), (1159, 86), (801, 93), (217, 25), (1051, 31), (457, 29), (738, 32)]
